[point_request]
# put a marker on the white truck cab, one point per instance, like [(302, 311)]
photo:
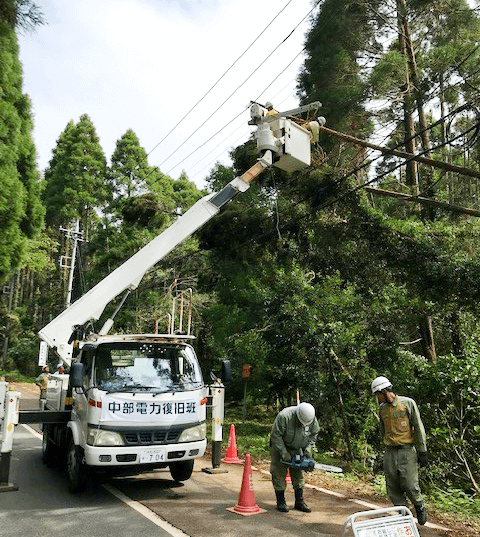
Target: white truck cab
[(138, 402)]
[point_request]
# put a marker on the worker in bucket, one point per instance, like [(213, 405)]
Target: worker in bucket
[(403, 434), (270, 110), (293, 433)]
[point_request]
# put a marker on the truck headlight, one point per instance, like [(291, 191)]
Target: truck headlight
[(199, 432), (100, 437)]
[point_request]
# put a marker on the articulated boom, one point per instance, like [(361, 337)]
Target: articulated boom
[(282, 141)]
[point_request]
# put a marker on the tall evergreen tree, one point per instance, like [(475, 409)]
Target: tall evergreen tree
[(21, 213), (341, 39), (75, 178), (129, 167)]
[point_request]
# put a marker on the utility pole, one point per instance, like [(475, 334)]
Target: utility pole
[(68, 262)]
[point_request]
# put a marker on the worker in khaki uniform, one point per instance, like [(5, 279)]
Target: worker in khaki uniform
[(293, 432), (405, 446), (42, 382)]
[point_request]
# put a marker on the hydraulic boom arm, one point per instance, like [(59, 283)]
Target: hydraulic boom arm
[(127, 276), (281, 143)]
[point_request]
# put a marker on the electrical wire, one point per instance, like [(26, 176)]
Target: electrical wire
[(202, 145), (233, 93), (277, 228), (231, 144), (224, 74), (231, 121), (377, 177)]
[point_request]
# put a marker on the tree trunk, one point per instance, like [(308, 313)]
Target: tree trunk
[(427, 188), (346, 431), (409, 126), (456, 340), (428, 344)]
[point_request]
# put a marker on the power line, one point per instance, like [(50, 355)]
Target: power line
[(232, 120), (231, 144), (214, 85), (231, 95)]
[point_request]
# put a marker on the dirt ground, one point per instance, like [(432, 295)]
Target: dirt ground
[(351, 490), (366, 492)]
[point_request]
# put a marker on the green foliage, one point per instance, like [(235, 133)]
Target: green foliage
[(339, 33), (15, 376), (23, 352), (23, 14), (185, 192), (21, 214), (388, 75), (252, 432), (129, 169), (75, 178), (315, 284), (456, 502)]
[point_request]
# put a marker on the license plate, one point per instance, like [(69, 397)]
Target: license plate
[(152, 455)]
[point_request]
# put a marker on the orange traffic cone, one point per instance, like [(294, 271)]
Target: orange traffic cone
[(288, 478), (232, 457), (246, 505)]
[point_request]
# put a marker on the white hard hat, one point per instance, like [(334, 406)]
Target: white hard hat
[(305, 413), (268, 104), (379, 384)]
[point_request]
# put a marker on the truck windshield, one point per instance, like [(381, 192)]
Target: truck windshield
[(150, 367)]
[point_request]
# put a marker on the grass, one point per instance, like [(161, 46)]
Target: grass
[(252, 436), (455, 501), (15, 376), (252, 431)]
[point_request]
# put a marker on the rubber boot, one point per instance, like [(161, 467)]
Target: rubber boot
[(300, 505), (421, 514), (281, 503)]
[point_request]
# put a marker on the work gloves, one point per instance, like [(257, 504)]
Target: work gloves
[(423, 459)]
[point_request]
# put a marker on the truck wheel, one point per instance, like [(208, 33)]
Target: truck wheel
[(181, 470), (76, 468), (48, 448)]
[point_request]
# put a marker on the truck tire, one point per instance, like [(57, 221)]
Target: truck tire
[(76, 468), (48, 447), (181, 470)]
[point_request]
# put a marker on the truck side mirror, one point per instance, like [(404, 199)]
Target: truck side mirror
[(76, 375), (226, 374)]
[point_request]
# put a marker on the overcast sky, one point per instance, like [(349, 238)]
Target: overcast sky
[(143, 64)]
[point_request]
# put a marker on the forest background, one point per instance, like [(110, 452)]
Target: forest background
[(315, 279)]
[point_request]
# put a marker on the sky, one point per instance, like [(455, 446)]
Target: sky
[(144, 64)]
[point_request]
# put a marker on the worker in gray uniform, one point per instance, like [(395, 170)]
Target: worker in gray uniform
[(403, 434), (293, 433)]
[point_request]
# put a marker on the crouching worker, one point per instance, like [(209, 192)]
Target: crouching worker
[(293, 432)]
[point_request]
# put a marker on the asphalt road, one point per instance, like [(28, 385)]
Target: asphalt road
[(42, 506), (153, 504)]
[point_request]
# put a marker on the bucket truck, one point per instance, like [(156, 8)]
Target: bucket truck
[(135, 402)]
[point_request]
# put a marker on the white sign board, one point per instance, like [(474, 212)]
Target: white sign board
[(398, 530), (43, 353), (115, 407)]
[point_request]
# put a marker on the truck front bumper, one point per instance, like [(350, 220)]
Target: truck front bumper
[(150, 455)]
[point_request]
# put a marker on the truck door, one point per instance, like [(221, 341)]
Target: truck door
[(80, 397)]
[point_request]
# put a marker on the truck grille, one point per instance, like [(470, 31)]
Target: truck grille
[(151, 437)]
